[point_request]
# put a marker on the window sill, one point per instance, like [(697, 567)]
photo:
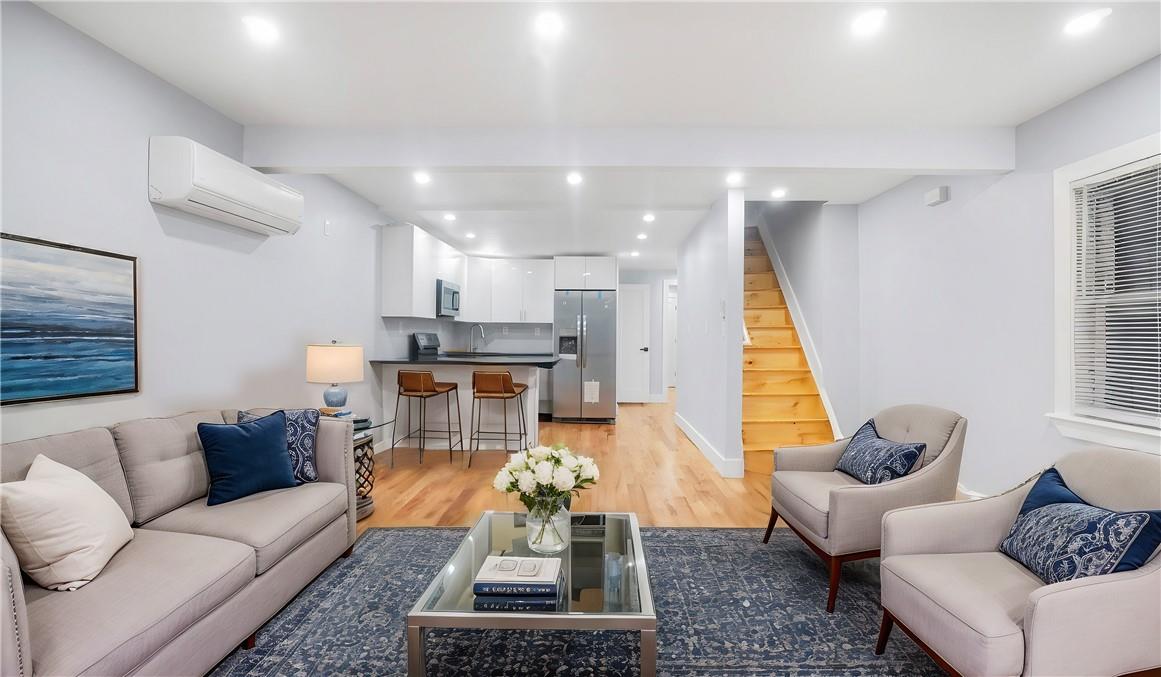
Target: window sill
[(1107, 432)]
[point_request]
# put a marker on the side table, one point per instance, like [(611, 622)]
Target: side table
[(364, 450)]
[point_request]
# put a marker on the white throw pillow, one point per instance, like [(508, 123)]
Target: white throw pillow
[(63, 527)]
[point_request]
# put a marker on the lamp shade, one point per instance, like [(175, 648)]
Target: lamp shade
[(334, 363)]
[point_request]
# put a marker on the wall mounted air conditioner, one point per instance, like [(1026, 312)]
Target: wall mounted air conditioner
[(186, 175)]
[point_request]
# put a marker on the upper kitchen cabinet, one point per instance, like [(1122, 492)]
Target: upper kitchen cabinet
[(476, 295), (522, 290), (585, 272), (412, 260)]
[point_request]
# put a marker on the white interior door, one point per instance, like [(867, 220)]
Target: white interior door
[(633, 344), (669, 315)]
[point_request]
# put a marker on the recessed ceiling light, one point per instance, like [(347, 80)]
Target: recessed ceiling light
[(634, 253), (574, 178), (470, 236), (869, 22), (778, 193), (1087, 22), (260, 30), (422, 178), (649, 218), (449, 217), (734, 179), (548, 25), (641, 236)]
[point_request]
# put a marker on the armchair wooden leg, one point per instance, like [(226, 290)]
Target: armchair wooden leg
[(770, 526), (348, 552), (251, 641), (835, 565), (884, 632)]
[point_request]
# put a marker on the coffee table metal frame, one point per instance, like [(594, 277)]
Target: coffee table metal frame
[(645, 622)]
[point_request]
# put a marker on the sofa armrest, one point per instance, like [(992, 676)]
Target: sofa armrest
[(957, 526), (1098, 625), (814, 458), (334, 458), (15, 655)]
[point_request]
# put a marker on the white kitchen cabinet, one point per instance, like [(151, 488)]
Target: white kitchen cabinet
[(539, 296), (586, 272), (570, 272), (476, 294), (507, 291), (601, 272), (412, 260)]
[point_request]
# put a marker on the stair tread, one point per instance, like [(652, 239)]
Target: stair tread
[(798, 370), (792, 394), (785, 420)]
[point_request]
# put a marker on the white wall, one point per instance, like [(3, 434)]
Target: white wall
[(709, 334), (224, 314), (956, 300), (656, 280), (818, 246)]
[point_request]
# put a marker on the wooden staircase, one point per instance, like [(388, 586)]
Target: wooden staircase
[(780, 401)]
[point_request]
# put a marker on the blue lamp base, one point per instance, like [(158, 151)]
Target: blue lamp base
[(335, 396)]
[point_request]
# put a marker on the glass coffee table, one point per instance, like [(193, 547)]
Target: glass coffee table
[(604, 571)]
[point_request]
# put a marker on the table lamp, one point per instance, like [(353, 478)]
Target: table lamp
[(334, 363)]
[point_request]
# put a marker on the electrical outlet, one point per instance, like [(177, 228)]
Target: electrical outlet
[(504, 330), (326, 227), (536, 331)]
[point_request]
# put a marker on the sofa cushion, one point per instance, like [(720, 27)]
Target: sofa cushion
[(806, 495), (246, 458), (90, 451), (155, 588), (968, 607), (163, 461), (63, 527), (301, 439), (273, 523), (873, 460)]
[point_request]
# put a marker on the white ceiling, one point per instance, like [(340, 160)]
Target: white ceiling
[(533, 212), (734, 66), (624, 64)]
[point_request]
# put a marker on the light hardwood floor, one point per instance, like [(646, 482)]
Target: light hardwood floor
[(647, 465)]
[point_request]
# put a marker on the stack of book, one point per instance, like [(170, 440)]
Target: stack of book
[(519, 584)]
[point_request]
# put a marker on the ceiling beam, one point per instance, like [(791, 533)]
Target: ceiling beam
[(908, 151)]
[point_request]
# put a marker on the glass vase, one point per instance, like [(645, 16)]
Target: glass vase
[(549, 528)]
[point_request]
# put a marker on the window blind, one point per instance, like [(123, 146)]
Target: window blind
[(1116, 304)]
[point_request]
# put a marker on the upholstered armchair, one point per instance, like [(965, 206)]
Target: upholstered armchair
[(838, 516), (979, 612)]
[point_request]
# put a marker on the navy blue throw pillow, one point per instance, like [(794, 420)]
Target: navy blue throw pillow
[(1058, 536), (301, 433), (246, 458), (871, 459)]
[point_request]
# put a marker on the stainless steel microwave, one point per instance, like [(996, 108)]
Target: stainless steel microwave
[(447, 299)]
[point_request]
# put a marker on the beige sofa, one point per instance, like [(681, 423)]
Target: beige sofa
[(196, 580), (837, 516), (979, 612)]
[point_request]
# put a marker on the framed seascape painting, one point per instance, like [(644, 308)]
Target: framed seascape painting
[(68, 321)]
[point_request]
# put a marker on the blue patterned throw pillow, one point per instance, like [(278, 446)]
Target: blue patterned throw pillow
[(871, 459), (1059, 537), (301, 432)]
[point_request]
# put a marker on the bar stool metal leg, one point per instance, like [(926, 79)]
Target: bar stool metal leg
[(459, 423), (472, 435), (506, 452), (447, 401), (395, 427), (523, 422), (422, 426)]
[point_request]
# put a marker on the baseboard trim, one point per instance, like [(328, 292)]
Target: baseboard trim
[(725, 467)]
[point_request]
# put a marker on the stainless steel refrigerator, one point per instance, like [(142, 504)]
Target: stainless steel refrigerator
[(584, 382)]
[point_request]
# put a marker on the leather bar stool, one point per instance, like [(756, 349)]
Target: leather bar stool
[(496, 385), (422, 386)]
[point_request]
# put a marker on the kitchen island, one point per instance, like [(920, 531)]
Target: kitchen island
[(457, 367)]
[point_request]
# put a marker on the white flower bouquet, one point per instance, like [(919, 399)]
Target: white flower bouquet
[(545, 478)]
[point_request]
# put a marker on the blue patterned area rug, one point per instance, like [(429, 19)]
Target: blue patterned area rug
[(726, 605)]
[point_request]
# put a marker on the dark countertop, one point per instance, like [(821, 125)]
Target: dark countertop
[(542, 360)]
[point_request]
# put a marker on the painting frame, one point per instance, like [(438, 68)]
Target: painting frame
[(136, 387)]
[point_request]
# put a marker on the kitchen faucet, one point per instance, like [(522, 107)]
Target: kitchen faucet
[(472, 336)]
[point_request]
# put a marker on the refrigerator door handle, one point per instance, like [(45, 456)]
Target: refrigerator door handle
[(584, 343), (580, 346)]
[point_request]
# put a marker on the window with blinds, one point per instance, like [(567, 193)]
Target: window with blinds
[(1116, 301)]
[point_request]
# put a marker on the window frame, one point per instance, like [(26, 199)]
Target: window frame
[(1068, 420)]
